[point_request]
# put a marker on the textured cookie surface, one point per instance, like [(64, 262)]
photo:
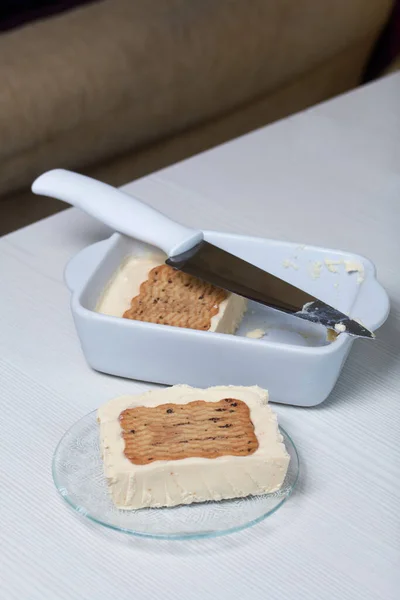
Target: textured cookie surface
[(171, 297), (196, 429)]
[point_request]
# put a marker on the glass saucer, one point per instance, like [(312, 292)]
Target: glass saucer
[(79, 478)]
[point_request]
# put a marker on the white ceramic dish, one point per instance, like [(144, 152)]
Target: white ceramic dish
[(293, 360)]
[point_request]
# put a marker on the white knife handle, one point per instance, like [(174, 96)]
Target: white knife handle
[(118, 210)]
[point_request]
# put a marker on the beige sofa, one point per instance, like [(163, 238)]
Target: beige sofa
[(120, 88)]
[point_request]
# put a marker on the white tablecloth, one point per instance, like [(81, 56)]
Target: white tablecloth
[(329, 176)]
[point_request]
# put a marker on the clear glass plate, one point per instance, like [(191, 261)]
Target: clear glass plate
[(79, 478)]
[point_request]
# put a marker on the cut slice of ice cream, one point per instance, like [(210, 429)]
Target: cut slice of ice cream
[(182, 445)]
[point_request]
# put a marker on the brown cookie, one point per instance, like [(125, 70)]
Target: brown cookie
[(174, 298), (196, 429)]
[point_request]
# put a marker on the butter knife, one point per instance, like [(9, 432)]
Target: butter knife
[(188, 251)]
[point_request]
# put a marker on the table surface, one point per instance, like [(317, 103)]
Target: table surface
[(329, 176)]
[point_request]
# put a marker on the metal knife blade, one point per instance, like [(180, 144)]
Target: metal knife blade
[(224, 270)]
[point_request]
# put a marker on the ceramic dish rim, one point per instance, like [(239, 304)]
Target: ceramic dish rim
[(341, 343)]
